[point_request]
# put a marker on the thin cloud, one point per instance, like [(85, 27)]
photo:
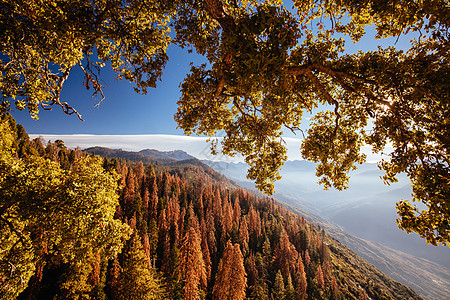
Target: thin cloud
[(193, 145)]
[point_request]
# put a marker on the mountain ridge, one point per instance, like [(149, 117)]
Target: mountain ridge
[(432, 293)]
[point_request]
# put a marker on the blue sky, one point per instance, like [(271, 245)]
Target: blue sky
[(125, 112)]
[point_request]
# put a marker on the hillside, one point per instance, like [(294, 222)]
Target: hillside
[(180, 231), (341, 256), (175, 154), (366, 210), (427, 278)]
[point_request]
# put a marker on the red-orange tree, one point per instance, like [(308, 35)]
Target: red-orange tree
[(231, 280)]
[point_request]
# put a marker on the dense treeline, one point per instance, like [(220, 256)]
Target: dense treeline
[(177, 233)]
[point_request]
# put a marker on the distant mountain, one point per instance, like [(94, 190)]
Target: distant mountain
[(175, 158), (299, 190), (354, 276), (363, 218), (119, 153), (146, 155), (175, 154), (429, 279)]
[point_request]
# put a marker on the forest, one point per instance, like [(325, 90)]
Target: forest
[(78, 226)]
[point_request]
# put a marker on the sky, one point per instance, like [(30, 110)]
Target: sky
[(125, 112)]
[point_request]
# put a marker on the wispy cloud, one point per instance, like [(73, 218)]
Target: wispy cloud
[(193, 145)]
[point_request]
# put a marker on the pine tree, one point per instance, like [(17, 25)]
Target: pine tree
[(113, 277), (152, 239), (243, 235), (289, 293), (138, 280), (231, 280), (307, 260), (285, 255), (139, 173), (254, 221), (252, 271), (192, 266), (205, 250), (154, 200), (236, 211), (301, 280), (227, 219), (278, 289), (319, 278)]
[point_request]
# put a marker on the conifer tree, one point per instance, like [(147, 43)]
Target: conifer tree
[(217, 208), (254, 221), (252, 271), (227, 219), (243, 235), (152, 239), (153, 205), (259, 291), (236, 211), (319, 278), (139, 173), (113, 278), (205, 250), (289, 293), (231, 280), (174, 276), (138, 280), (145, 200), (192, 265), (307, 260), (302, 284), (285, 255), (278, 289)]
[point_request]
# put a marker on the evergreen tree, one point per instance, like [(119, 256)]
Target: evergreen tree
[(192, 265), (278, 289), (243, 235), (138, 280), (289, 293), (231, 280), (302, 285), (319, 278)]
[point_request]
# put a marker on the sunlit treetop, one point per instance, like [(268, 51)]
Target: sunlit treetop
[(267, 66), (267, 76)]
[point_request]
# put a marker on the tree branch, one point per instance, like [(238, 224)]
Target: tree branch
[(338, 76), (13, 229), (220, 14)]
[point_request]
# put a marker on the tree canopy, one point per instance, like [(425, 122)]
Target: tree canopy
[(66, 216), (267, 66)]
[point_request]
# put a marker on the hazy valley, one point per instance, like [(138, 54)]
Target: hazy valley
[(362, 217)]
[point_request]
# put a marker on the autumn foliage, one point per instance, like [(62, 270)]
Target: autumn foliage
[(195, 235)]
